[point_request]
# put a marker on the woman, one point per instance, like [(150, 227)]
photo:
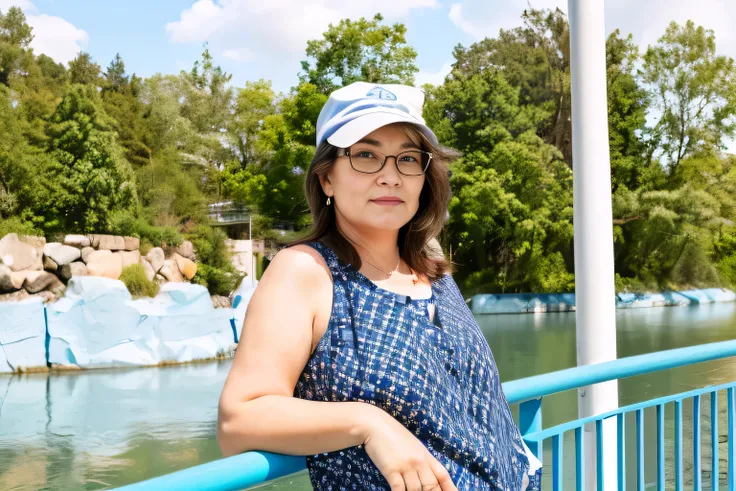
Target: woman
[(357, 348)]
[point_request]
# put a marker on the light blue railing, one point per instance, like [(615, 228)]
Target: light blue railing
[(251, 468)]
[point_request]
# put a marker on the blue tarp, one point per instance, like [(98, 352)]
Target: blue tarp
[(22, 335), (98, 324), (517, 303)]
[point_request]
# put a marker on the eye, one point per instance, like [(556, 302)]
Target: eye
[(408, 158), (365, 154)]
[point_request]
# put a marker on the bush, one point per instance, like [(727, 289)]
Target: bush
[(217, 281), (134, 277), (126, 223), (15, 225), (215, 269)]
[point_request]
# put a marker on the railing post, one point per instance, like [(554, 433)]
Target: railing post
[(530, 421)]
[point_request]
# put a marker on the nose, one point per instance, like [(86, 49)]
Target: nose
[(389, 175)]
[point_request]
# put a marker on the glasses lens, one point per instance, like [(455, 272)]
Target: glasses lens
[(366, 160), (412, 163)]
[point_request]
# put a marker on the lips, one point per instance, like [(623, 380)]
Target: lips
[(388, 200)]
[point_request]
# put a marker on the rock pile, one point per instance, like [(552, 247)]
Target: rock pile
[(29, 266)]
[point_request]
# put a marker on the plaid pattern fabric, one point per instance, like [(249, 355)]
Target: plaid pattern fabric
[(437, 377)]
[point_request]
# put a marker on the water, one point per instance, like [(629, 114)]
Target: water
[(102, 429)]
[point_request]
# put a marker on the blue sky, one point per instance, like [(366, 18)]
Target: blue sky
[(255, 39)]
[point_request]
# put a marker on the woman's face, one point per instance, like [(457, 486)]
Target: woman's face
[(386, 200)]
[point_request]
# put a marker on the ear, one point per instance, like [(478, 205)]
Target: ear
[(324, 181)]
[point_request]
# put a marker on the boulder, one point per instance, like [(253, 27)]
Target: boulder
[(119, 243), (170, 271), (36, 281), (62, 254), (18, 255), (129, 257), (150, 273), (79, 269), (78, 241), (105, 243), (186, 249), (50, 265), (156, 257), (105, 263), (86, 252), (16, 296), (132, 243), (10, 280), (187, 267), (220, 302), (94, 240), (32, 240)]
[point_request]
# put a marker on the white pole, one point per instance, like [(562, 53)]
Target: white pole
[(594, 277)]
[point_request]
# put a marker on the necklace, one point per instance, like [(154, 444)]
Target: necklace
[(388, 274)]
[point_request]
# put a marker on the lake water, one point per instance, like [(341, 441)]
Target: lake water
[(102, 429)]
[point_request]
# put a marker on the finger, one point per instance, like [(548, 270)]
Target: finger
[(396, 482), (443, 477), (428, 479), (412, 482)]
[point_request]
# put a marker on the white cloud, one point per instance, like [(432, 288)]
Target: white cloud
[(56, 37), (434, 78), (242, 55), (275, 26), (23, 4), (52, 36), (481, 18)]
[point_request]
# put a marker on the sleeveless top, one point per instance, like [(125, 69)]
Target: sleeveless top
[(437, 377)]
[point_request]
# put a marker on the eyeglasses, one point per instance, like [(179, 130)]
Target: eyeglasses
[(369, 161)]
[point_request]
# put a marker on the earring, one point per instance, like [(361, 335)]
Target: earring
[(328, 201)]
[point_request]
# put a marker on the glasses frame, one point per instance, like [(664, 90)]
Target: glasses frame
[(346, 152)]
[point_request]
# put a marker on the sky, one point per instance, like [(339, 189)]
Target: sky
[(253, 39)]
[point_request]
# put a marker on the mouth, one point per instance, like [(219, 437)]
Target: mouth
[(387, 201)]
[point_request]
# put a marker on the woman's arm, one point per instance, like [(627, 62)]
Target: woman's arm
[(257, 410)]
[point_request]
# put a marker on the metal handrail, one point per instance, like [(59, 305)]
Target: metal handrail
[(251, 468)]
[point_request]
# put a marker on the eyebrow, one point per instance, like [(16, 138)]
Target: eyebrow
[(371, 141)]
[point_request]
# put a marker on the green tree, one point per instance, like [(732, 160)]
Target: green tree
[(82, 70), (363, 50), (15, 39), (693, 88)]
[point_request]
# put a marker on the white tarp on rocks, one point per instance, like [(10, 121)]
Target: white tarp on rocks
[(22, 335), (98, 324)]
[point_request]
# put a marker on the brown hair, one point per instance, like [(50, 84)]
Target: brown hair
[(414, 237)]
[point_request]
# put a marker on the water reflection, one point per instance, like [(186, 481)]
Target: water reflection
[(103, 429)]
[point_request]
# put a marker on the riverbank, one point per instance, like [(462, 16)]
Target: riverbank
[(522, 303)]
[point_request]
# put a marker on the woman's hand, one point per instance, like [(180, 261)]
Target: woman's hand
[(403, 460)]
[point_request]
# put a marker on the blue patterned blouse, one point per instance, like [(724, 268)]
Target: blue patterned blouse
[(437, 377)]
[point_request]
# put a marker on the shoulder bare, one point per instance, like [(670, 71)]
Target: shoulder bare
[(301, 263)]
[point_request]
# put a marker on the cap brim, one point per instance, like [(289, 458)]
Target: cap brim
[(352, 131)]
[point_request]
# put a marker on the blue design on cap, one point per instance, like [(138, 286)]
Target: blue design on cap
[(381, 93)]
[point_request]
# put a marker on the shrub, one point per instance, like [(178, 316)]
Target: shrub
[(127, 223), (217, 281), (134, 277), (18, 226), (215, 269)]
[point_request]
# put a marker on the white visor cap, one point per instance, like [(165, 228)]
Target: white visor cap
[(360, 108)]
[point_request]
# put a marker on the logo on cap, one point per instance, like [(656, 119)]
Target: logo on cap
[(381, 93)]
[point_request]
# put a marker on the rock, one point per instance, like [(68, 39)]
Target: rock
[(132, 243), (129, 257), (220, 302), (105, 263), (47, 296), (35, 281), (160, 279), (150, 273), (187, 267), (105, 243), (94, 240), (78, 241), (186, 249), (56, 287), (62, 254), (119, 243), (79, 269), (86, 252), (15, 296), (68, 271), (170, 271), (156, 257), (18, 255), (32, 240), (10, 280), (50, 265)]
